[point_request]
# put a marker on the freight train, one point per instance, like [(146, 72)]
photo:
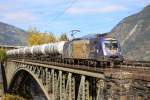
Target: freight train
[(95, 50)]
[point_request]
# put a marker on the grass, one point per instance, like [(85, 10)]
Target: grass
[(12, 97)]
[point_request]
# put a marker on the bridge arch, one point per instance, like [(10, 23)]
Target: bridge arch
[(22, 72), (57, 83)]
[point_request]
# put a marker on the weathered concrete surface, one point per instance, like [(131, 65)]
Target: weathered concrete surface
[(131, 84)]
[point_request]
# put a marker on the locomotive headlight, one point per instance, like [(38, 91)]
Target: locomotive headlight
[(97, 51)]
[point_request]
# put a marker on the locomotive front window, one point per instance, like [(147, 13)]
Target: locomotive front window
[(112, 45)]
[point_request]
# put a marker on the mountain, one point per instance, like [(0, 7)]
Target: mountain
[(11, 35), (133, 33)]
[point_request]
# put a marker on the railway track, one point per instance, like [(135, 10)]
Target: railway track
[(136, 64), (126, 65), (79, 67)]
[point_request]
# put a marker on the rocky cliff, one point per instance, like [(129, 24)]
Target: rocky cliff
[(133, 33)]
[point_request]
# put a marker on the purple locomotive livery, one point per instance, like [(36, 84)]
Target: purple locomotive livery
[(98, 47)]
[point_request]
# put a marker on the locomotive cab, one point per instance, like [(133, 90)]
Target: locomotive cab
[(111, 48)]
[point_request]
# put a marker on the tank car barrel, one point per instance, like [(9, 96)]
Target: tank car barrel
[(45, 49)]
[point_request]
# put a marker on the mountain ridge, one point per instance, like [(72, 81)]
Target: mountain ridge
[(11, 35), (133, 32)]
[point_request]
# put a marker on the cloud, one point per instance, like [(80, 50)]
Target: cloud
[(43, 13), (90, 10), (29, 11), (143, 2), (19, 17)]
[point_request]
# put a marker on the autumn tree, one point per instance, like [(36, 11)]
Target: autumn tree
[(36, 38), (63, 37)]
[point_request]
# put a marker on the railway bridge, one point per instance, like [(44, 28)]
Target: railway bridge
[(41, 80)]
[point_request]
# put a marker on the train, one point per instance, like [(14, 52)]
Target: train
[(90, 50)]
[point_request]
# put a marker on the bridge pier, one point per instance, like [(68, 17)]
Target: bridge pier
[(3, 73)]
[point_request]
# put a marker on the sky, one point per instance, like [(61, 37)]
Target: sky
[(62, 16)]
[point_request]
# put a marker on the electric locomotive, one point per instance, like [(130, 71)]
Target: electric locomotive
[(98, 47)]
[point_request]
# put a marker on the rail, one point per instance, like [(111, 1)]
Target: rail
[(96, 69), (136, 63)]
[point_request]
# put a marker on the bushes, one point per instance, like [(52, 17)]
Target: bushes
[(2, 54)]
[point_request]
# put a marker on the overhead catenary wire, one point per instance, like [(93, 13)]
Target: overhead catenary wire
[(63, 12)]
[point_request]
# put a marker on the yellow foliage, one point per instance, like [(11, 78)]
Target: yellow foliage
[(36, 38)]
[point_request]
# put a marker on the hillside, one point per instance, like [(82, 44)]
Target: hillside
[(10, 35), (133, 33)]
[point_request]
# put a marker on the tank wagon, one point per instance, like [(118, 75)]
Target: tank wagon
[(46, 49), (88, 50)]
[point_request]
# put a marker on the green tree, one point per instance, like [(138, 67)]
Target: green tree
[(63, 37), (2, 54)]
